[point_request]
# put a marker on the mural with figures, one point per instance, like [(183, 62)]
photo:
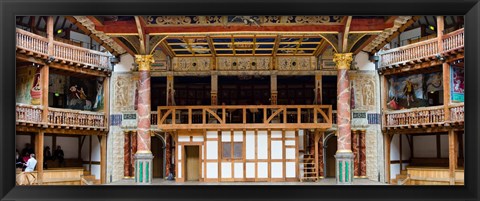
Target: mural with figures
[(24, 83), (413, 91), (85, 94), (457, 84)]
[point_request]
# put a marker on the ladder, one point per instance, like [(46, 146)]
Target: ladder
[(309, 168)]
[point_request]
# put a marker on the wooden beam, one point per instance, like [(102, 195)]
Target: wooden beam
[(103, 160), (90, 153), (396, 33), (364, 44), (119, 42), (39, 143), (44, 80), (345, 33), (212, 47), (141, 34), (452, 155), (95, 20), (387, 141)]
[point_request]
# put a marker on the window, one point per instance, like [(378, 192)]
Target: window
[(229, 152)]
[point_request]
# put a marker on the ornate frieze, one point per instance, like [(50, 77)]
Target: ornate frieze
[(296, 63), (124, 88), (192, 63), (363, 88), (400, 21), (100, 34), (243, 63), (240, 20)]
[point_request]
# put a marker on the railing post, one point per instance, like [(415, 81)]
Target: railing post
[(44, 80), (50, 35)]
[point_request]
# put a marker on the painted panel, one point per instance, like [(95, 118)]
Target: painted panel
[(238, 136), (212, 170), (290, 142), (238, 170), (226, 170), (276, 134), (277, 150), (262, 170), (290, 153), (212, 149), (179, 149), (184, 138), (179, 170), (197, 139), (290, 169), (250, 145), (212, 134), (250, 170), (262, 145), (277, 169), (457, 84), (226, 136), (290, 134)]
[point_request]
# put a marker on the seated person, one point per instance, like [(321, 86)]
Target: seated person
[(31, 163)]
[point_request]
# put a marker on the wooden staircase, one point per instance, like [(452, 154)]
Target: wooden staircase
[(89, 179), (309, 168), (400, 179)]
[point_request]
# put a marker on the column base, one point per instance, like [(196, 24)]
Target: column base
[(344, 168), (143, 168)]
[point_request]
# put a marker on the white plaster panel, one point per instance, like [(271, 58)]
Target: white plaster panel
[(290, 134), (95, 149), (276, 134), (276, 169), (226, 136), (179, 170), (250, 170), (212, 149), (262, 146), (179, 152), (212, 170), (250, 145), (394, 170), (96, 171), (238, 170), (184, 138), (300, 140), (290, 153), (69, 146), (226, 170), (277, 151), (197, 139), (238, 136), (290, 142), (395, 148), (262, 170), (290, 169), (212, 134)]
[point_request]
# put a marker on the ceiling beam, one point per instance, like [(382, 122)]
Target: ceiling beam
[(277, 44), (396, 33), (166, 49), (364, 44), (119, 42), (212, 47), (90, 34), (140, 24), (345, 33), (95, 20)]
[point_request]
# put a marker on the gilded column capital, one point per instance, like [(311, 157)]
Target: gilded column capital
[(144, 62), (342, 60)]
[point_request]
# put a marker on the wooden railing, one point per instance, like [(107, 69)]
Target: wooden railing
[(75, 118), (422, 50), (417, 116), (457, 113), (72, 54), (424, 116), (245, 116), (29, 113)]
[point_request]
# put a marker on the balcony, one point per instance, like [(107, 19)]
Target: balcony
[(39, 47), (424, 117), (31, 115), (422, 51), (245, 117)]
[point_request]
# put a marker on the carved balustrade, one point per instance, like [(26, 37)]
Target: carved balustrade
[(75, 118), (245, 116), (422, 50), (66, 53), (457, 113), (29, 113), (417, 116)]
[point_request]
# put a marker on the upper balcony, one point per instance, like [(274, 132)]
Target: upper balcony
[(424, 117), (39, 47), (426, 51), (244, 117), (32, 115)]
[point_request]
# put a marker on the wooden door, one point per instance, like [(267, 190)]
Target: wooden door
[(192, 165), (330, 156), (157, 151)]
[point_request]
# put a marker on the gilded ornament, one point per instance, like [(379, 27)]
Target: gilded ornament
[(343, 60), (144, 62)]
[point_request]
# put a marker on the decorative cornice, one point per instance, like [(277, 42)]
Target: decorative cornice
[(401, 20), (106, 39)]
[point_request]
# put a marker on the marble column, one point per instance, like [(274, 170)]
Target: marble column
[(133, 139), (168, 154), (355, 147), (320, 156), (143, 156), (363, 155), (344, 155), (127, 155)]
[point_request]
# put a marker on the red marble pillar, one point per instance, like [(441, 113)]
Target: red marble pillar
[(320, 156), (363, 155), (133, 137), (127, 156), (344, 155), (168, 154), (356, 159), (143, 156)]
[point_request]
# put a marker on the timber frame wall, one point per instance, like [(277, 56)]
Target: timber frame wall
[(448, 118), (41, 119)]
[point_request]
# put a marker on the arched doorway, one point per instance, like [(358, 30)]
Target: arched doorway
[(330, 148), (158, 151)]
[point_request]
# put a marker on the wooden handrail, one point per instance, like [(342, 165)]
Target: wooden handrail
[(68, 117), (416, 116)]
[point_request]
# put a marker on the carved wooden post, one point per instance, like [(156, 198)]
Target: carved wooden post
[(318, 89), (452, 155), (445, 69), (214, 89), (344, 155), (273, 88), (143, 156)]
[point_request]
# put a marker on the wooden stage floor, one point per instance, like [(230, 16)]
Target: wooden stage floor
[(327, 181)]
